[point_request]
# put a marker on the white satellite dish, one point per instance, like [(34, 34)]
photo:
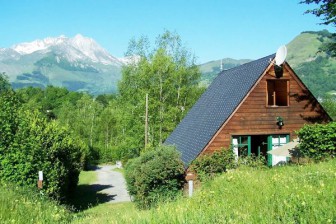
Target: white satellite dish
[(280, 56)]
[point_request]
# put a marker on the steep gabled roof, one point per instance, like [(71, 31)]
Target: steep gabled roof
[(214, 107)]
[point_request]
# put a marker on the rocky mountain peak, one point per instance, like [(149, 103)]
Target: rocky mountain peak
[(78, 48)]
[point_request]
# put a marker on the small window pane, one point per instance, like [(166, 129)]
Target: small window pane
[(275, 140), (283, 140), (244, 140)]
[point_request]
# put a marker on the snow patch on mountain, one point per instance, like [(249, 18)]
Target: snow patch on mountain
[(78, 48), (37, 45)]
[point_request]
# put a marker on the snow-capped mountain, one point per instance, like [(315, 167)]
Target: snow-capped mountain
[(78, 48), (78, 63)]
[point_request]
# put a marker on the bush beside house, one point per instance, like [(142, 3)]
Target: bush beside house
[(209, 165), (318, 141), (155, 176)]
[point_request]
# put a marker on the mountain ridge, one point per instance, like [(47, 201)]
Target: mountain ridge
[(76, 48), (77, 63), (81, 64)]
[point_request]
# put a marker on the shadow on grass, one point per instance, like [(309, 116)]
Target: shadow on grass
[(87, 196)]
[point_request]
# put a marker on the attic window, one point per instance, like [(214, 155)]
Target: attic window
[(277, 93)]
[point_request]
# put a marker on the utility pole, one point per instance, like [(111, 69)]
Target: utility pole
[(146, 122)]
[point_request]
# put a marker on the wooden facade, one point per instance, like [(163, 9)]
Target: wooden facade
[(252, 109), (257, 116)]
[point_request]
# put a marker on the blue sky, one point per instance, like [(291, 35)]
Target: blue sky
[(211, 29)]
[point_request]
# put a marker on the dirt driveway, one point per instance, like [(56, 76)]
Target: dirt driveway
[(114, 184)]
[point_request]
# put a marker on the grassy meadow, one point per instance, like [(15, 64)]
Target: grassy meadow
[(289, 194)]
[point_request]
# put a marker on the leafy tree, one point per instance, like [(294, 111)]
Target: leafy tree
[(53, 98), (329, 104), (88, 114), (326, 9), (9, 105), (168, 74), (104, 99), (4, 83), (29, 143)]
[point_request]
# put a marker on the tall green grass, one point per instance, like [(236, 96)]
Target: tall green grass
[(290, 194), (23, 205)]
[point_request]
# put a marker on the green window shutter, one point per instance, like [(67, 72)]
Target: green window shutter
[(269, 147), (287, 138), (249, 145)]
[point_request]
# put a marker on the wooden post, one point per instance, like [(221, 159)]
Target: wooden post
[(190, 178), (146, 122), (40, 180), (274, 98)]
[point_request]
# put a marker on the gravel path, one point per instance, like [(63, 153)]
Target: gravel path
[(111, 183)]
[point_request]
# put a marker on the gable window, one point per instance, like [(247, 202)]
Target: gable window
[(277, 92)]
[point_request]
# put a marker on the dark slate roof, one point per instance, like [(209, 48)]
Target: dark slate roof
[(214, 107)]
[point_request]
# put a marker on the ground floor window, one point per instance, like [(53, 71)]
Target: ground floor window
[(279, 140), (258, 145), (241, 145)]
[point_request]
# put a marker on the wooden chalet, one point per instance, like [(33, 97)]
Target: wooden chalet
[(252, 108)]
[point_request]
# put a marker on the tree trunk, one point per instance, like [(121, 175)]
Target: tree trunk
[(91, 129)]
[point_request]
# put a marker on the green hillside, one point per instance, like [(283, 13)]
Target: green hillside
[(211, 69), (316, 69)]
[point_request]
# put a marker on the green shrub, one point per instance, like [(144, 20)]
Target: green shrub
[(209, 165), (155, 176), (257, 162), (29, 143), (318, 141)]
